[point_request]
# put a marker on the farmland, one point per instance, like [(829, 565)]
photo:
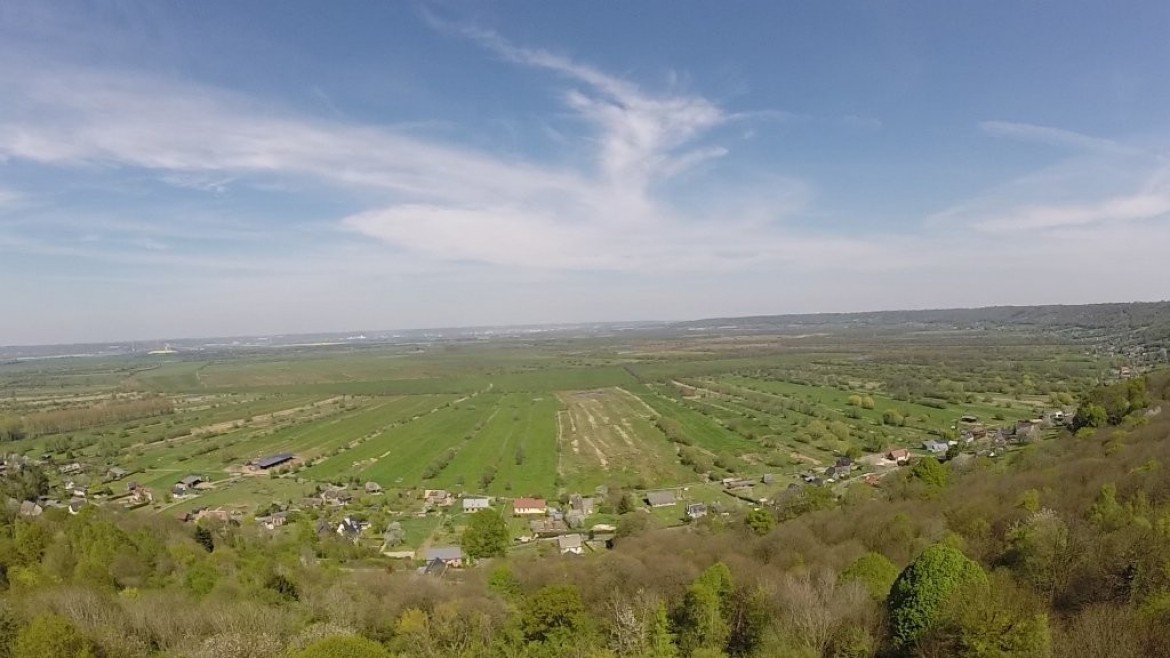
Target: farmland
[(545, 418)]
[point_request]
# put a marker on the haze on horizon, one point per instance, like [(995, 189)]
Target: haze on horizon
[(216, 169)]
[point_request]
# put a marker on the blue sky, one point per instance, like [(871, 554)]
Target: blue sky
[(176, 169)]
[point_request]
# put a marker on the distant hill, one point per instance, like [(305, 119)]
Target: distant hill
[(1125, 325)]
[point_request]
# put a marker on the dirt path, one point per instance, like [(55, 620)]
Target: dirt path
[(261, 419), (650, 413)]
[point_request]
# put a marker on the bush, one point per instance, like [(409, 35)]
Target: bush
[(344, 647)]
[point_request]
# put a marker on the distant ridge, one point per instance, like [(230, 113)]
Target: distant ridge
[(1145, 321)]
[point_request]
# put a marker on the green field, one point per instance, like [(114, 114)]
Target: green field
[(538, 418)]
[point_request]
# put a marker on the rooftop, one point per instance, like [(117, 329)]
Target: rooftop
[(444, 553)]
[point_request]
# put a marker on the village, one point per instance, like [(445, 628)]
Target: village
[(422, 526)]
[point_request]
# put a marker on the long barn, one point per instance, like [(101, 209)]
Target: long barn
[(275, 460)]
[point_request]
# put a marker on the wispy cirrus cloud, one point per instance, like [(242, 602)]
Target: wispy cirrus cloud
[(439, 201), (1029, 132), (1099, 185)]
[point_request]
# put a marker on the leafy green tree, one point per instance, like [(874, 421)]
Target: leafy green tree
[(344, 646), (930, 472), (31, 539), (873, 571), (996, 622), (201, 578), (1039, 550), (625, 504), (486, 535), (804, 500), (761, 521), (922, 591), (554, 614), (1090, 415), (503, 582), (51, 636), (27, 484)]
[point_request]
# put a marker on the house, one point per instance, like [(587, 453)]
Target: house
[(529, 506), (273, 521), (272, 461), (582, 505), (471, 505), (140, 496), (438, 498), (547, 527), (451, 556), (434, 567), (1027, 430), (116, 473), (218, 514), (696, 511), (373, 488), (350, 528), (29, 508), (838, 472), (336, 496), (661, 498), (935, 447), (969, 419), (71, 469), (76, 504), (192, 481), (845, 460), (571, 544), (575, 519), (181, 491), (900, 455)]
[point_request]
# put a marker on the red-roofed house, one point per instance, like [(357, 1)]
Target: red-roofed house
[(529, 506), (900, 455)]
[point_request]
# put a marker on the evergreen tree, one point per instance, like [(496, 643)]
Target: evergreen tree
[(204, 538), (661, 640)]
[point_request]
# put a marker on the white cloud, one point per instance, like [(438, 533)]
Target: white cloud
[(1028, 132), (430, 198)]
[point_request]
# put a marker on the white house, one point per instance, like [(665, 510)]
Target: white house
[(475, 504)]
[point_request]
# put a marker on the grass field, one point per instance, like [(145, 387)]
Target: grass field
[(606, 437), (399, 455), (536, 417)]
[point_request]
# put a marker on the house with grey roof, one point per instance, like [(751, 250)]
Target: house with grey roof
[(191, 481), (451, 556), (935, 447), (578, 503), (29, 508), (574, 544), (661, 498), (273, 461)]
